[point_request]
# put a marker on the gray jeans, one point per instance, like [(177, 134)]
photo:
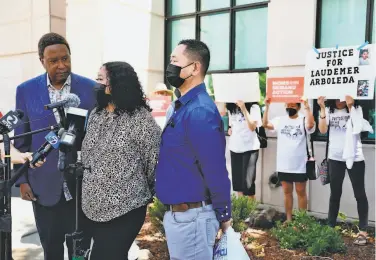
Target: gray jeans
[(191, 234)]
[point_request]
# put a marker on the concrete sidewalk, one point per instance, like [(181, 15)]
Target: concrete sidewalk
[(25, 239)]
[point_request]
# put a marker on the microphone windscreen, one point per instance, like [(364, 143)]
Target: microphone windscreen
[(72, 100)]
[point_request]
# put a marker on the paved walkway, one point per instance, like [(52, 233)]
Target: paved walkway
[(25, 240)]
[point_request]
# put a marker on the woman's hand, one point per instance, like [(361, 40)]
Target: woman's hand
[(229, 131), (305, 102), (321, 102), (349, 102), (240, 104), (267, 101)]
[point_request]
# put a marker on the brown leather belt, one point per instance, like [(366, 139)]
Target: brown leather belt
[(183, 207)]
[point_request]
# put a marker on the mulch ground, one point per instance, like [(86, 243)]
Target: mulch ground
[(259, 245)]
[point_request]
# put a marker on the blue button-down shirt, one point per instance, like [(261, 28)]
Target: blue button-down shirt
[(192, 163)]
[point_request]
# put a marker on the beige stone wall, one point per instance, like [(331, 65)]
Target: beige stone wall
[(123, 30), (22, 23)]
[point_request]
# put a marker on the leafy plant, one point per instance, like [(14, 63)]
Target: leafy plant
[(306, 233), (242, 208), (262, 80), (156, 213), (347, 228)]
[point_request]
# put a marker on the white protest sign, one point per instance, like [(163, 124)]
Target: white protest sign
[(335, 73), (231, 87)]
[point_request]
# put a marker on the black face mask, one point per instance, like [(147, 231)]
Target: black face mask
[(173, 75), (291, 111), (103, 99)]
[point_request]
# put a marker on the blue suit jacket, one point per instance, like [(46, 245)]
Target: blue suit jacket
[(47, 181)]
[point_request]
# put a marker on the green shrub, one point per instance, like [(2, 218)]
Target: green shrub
[(156, 214), (242, 208), (306, 233)]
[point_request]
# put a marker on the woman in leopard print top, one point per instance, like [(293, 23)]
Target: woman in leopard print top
[(121, 146)]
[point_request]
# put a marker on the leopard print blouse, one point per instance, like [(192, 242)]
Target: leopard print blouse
[(122, 152)]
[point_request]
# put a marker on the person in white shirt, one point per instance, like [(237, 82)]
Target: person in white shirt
[(291, 151), (244, 145), (335, 117)]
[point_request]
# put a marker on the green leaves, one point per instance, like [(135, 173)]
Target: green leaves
[(156, 213), (304, 232), (242, 207)]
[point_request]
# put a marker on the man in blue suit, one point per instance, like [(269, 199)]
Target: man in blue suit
[(54, 208)]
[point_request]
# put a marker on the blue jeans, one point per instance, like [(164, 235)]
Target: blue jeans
[(191, 234)]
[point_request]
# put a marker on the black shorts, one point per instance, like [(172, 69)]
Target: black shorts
[(292, 177)]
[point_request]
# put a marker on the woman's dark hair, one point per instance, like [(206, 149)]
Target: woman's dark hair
[(126, 91), (331, 104), (233, 108)]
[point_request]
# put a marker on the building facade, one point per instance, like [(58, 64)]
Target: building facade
[(269, 37)]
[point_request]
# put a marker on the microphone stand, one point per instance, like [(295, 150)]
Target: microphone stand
[(77, 237), (6, 182)]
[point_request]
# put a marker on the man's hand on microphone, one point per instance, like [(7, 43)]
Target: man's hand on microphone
[(26, 192)]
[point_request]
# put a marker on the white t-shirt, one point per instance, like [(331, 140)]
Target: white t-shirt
[(337, 135), (242, 138), (291, 144)]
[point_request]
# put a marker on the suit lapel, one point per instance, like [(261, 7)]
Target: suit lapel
[(77, 90)]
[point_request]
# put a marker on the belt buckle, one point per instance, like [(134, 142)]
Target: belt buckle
[(183, 207)]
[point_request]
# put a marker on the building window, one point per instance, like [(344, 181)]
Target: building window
[(347, 23), (179, 29), (250, 35), (234, 30), (214, 4), (178, 7), (214, 27)]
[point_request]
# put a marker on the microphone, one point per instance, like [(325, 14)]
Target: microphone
[(71, 100), (62, 153), (10, 121), (76, 119), (52, 142)]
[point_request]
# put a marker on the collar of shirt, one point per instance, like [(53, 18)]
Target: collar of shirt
[(66, 84), (191, 94)]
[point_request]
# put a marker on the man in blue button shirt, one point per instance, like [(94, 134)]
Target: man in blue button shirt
[(191, 176)]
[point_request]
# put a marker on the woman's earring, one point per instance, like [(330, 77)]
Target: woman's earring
[(108, 90)]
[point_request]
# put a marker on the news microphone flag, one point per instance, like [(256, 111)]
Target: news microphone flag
[(53, 140)]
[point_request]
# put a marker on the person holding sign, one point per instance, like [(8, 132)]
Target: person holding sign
[(291, 150), (336, 116), (244, 145)]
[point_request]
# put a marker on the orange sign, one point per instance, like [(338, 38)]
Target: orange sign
[(159, 104), (286, 90)]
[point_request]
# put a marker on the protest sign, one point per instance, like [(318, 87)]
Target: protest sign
[(335, 73), (287, 90), (231, 87)]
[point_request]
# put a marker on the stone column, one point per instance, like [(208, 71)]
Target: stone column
[(22, 23), (117, 30)]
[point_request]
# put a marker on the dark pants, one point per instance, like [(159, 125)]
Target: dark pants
[(53, 223), (337, 171), (113, 239), (243, 168)]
